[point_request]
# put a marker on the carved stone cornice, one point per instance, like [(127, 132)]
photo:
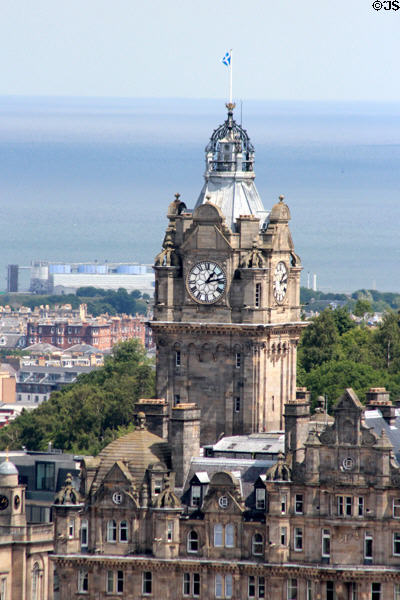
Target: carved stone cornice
[(228, 329), (282, 571)]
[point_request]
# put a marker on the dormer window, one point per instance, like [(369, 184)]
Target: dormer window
[(260, 498), (158, 485), (198, 488), (195, 499)]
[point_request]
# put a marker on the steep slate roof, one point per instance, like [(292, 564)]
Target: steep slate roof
[(374, 419), (137, 450), (246, 471)]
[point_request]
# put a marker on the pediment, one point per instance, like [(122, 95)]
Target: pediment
[(119, 473), (349, 402), (223, 502)]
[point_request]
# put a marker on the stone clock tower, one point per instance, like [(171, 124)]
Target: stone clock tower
[(227, 300)]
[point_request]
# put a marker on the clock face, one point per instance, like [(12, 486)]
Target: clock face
[(3, 502), (17, 501), (206, 282), (280, 281), (223, 502), (117, 497)]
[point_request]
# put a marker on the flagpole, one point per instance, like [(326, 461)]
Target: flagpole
[(230, 79)]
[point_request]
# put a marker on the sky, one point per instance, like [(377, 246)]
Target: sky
[(290, 50)]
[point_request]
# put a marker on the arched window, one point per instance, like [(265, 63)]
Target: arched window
[(257, 544), (123, 531), (229, 536), (83, 581), (193, 541), (36, 582), (111, 531), (218, 535)]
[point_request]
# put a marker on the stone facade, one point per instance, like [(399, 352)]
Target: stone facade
[(326, 527), (231, 349)]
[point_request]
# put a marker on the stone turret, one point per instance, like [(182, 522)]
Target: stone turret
[(12, 496), (297, 418), (184, 435)]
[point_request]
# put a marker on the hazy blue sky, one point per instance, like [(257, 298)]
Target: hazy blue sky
[(286, 49)]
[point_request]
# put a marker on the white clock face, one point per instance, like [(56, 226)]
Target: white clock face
[(117, 497), (280, 281), (206, 282)]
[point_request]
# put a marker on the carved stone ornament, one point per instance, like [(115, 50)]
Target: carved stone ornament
[(367, 438), (395, 479), (254, 259), (328, 437), (167, 498)]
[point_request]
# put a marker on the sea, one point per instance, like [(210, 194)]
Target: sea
[(85, 179)]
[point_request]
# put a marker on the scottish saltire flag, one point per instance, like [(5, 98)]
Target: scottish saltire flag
[(227, 59)]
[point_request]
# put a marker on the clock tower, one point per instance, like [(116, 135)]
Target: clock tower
[(227, 299)]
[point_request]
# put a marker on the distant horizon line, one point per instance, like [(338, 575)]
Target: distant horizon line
[(198, 99)]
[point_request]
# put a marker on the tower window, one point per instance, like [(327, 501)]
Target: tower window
[(257, 300), (71, 529), (292, 589), (257, 544), (298, 539), (123, 531), (283, 536), (237, 404), (191, 584), (368, 547), (326, 543), (84, 533), (238, 360), (330, 590), (178, 358), (147, 581), (111, 531), (193, 542), (298, 506), (83, 581), (170, 531), (376, 591)]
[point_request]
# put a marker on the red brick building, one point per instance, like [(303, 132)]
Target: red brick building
[(102, 333)]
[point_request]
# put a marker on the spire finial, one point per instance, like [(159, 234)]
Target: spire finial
[(281, 198), (177, 196)]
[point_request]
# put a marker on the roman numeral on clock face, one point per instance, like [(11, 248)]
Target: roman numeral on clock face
[(206, 282)]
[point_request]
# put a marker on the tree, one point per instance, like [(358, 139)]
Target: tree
[(362, 308), (342, 320), (388, 340), (358, 345), (319, 342), (332, 377), (87, 415)]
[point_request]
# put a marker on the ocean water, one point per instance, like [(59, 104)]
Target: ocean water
[(86, 179)]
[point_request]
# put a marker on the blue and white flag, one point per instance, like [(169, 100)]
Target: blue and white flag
[(227, 59)]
